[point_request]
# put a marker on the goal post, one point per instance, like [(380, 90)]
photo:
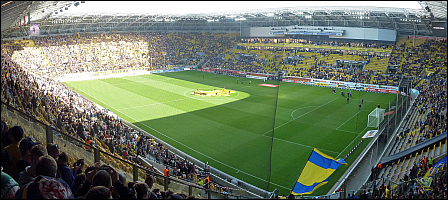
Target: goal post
[(375, 117)]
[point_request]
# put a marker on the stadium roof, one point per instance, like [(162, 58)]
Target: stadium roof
[(65, 17)]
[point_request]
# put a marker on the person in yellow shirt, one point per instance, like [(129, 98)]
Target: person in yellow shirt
[(388, 193), (14, 150)]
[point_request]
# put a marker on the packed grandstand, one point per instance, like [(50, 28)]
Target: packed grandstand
[(49, 131)]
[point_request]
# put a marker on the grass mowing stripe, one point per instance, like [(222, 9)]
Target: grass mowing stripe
[(356, 114), (300, 144), (180, 142), (231, 137), (152, 104), (299, 116)]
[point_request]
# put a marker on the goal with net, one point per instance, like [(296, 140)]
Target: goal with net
[(375, 117)]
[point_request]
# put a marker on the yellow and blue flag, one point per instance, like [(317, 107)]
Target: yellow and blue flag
[(426, 181), (316, 172), (435, 168)]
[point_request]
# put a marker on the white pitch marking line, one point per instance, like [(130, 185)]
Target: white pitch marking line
[(351, 142), (346, 131), (348, 120), (152, 104), (184, 144), (299, 109), (299, 116), (300, 144)]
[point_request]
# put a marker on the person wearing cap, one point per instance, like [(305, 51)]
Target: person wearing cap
[(25, 149), (14, 150)]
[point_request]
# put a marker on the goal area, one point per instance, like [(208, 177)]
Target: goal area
[(375, 117)]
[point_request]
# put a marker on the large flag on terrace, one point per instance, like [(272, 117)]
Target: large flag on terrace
[(435, 168), (426, 181), (316, 172)]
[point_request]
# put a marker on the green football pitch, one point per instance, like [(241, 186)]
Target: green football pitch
[(261, 135)]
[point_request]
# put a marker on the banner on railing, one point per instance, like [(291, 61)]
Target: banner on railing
[(163, 71), (233, 72), (426, 37), (370, 134), (342, 84)]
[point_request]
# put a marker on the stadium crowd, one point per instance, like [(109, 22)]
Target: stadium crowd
[(428, 55), (432, 98), (28, 86), (60, 107)]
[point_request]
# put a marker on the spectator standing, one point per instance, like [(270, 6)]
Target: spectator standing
[(29, 173), (9, 186), (142, 190), (46, 185), (25, 149), (53, 151), (65, 171), (80, 130), (6, 134), (14, 150), (99, 192)]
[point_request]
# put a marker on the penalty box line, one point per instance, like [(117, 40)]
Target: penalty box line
[(298, 117), (186, 145)]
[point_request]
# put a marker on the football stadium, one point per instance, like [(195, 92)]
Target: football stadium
[(224, 100)]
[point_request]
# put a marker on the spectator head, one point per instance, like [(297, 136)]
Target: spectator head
[(99, 192), (26, 144), (177, 196), (149, 181), (46, 166), (53, 150), (36, 152), (166, 194), (17, 134), (79, 179), (102, 178), (142, 190), (122, 178), (63, 158), (5, 127)]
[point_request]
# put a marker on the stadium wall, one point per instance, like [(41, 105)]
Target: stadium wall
[(367, 34), (258, 32), (372, 34)]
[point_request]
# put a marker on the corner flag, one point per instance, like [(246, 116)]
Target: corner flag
[(316, 172)]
